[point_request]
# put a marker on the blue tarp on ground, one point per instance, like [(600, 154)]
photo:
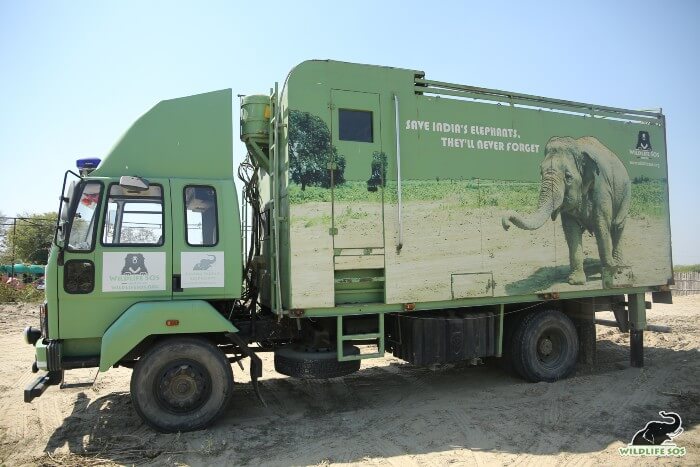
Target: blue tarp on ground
[(19, 268)]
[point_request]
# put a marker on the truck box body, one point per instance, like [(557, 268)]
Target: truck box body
[(469, 159)]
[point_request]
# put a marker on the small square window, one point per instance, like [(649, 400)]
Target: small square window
[(200, 215), (78, 276), (355, 125)]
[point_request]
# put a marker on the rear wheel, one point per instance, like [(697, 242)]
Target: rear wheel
[(181, 384), (544, 346)]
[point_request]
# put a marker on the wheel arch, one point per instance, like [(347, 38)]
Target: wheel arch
[(145, 319)]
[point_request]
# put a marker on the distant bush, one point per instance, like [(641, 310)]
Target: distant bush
[(24, 293), (686, 268)]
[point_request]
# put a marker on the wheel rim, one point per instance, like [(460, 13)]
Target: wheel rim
[(182, 386), (550, 347)]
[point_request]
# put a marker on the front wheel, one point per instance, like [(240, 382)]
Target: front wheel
[(181, 384), (544, 346)]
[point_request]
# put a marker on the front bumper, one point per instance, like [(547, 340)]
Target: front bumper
[(37, 387), (48, 360), (47, 357)]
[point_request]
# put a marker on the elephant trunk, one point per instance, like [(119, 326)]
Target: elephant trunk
[(550, 200), (673, 426)]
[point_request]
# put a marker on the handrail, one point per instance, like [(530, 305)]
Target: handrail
[(533, 98), (275, 175), (398, 171)]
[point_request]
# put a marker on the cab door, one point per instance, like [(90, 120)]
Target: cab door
[(206, 240), (117, 254)]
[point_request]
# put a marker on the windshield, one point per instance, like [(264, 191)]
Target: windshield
[(83, 218)]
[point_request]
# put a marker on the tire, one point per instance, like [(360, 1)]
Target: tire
[(544, 346), (511, 324), (299, 362), (181, 384)]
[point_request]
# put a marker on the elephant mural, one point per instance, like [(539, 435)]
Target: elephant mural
[(588, 185), (655, 432)]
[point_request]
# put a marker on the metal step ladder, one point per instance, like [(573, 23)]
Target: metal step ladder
[(274, 154), (343, 338)]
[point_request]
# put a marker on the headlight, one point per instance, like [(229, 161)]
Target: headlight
[(31, 335)]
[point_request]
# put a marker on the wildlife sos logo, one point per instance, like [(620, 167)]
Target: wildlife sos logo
[(134, 263), (643, 142), (202, 269), (643, 151), (133, 271), (656, 438)]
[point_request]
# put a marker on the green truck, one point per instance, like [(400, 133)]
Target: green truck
[(381, 212)]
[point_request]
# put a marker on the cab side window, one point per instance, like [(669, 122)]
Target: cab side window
[(201, 216), (134, 218)]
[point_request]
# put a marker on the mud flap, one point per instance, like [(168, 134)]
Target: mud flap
[(255, 363)]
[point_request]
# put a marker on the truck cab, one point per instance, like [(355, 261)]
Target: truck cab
[(147, 245)]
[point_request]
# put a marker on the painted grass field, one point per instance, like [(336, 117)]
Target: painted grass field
[(648, 196)]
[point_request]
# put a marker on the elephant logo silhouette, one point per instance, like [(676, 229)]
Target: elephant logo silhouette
[(205, 263), (134, 263), (643, 141), (656, 433)]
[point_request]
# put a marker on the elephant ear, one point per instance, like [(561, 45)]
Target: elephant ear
[(588, 160)]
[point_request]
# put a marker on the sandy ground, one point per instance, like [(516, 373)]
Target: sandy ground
[(389, 413)]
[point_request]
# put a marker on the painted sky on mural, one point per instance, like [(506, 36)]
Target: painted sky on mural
[(76, 74)]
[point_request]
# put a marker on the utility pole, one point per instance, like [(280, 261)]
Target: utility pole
[(14, 243)]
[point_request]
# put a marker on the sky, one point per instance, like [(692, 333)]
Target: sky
[(75, 74)]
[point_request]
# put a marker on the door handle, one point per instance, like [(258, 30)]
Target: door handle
[(177, 283)]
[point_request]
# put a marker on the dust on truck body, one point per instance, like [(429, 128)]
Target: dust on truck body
[(382, 212)]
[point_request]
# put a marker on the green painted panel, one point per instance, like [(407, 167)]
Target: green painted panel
[(190, 137), (51, 292), (80, 347), (149, 318)]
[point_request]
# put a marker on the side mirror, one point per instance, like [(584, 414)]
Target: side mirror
[(65, 202), (130, 183)]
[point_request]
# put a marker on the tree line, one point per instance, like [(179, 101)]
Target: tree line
[(26, 238)]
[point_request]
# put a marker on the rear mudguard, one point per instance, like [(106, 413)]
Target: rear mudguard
[(159, 318)]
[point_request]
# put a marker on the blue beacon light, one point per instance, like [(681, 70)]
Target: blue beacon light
[(87, 165)]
